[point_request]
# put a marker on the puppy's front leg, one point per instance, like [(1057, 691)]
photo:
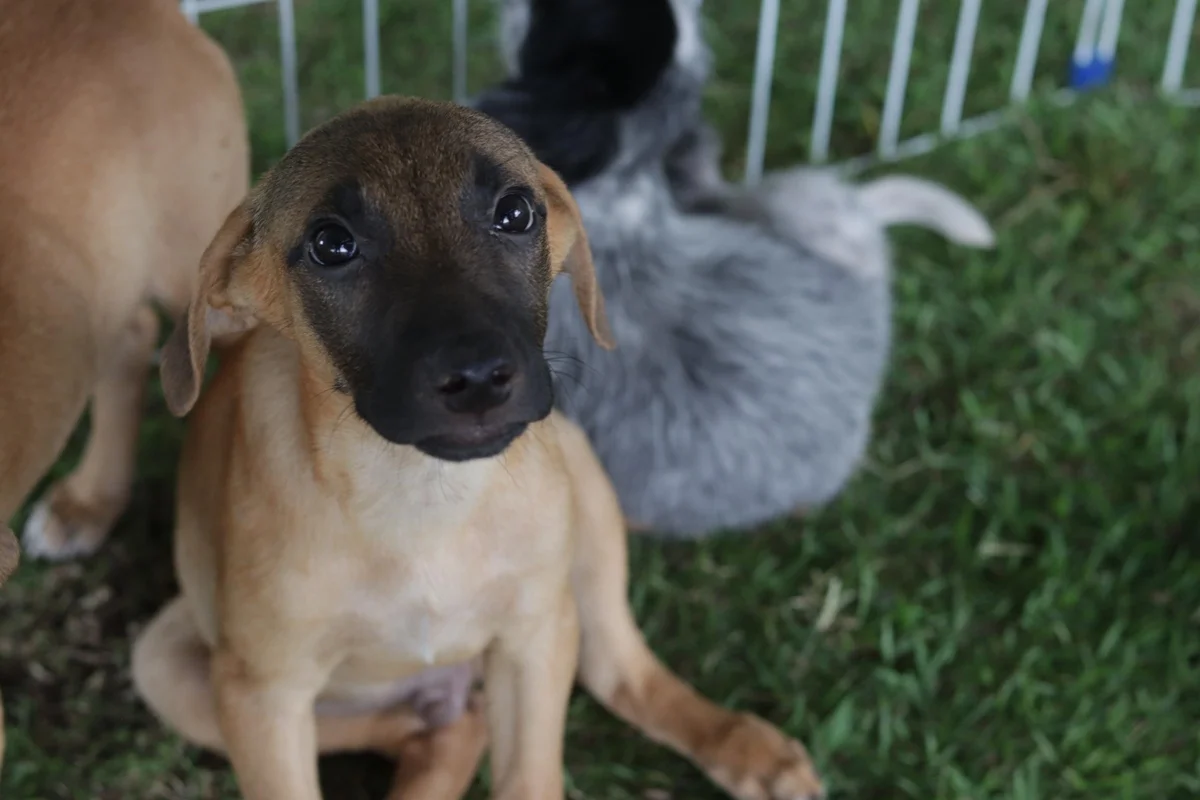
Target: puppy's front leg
[(75, 515), (269, 727), (742, 753), (528, 679)]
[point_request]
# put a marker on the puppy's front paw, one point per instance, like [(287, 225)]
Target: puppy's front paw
[(61, 526), (755, 761)]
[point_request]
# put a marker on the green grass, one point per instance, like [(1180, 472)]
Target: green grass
[(1004, 604)]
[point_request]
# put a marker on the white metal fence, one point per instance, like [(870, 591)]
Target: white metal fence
[(1092, 63)]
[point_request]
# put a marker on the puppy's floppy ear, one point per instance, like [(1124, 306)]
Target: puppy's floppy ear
[(210, 314), (569, 252)]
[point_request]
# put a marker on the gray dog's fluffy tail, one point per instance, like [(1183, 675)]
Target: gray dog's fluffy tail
[(843, 221), (905, 200)]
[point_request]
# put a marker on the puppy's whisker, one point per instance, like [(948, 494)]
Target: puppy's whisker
[(337, 422), (578, 361), (558, 355), (441, 478), (575, 379), (504, 466), (537, 434), (555, 356)]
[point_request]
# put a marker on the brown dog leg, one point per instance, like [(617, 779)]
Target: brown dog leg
[(48, 366), (528, 680), (747, 757), (47, 360), (172, 673), (440, 764), (76, 515)]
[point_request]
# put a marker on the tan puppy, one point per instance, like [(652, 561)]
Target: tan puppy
[(122, 148), (375, 497)]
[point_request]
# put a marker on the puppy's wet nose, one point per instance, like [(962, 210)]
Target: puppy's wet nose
[(477, 385)]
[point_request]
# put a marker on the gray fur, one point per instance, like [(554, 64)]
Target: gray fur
[(752, 328)]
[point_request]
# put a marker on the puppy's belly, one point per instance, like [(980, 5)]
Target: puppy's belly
[(438, 694), (428, 666)]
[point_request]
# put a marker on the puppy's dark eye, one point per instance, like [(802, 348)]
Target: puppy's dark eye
[(332, 246), (513, 214)]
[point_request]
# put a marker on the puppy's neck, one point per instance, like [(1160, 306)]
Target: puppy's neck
[(346, 456)]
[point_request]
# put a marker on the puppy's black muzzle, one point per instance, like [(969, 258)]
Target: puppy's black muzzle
[(458, 395)]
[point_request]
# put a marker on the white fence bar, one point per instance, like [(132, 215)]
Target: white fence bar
[(371, 47), (1089, 29), (287, 57), (927, 142), (960, 66), (893, 104), (1182, 25), (460, 51), (973, 126), (1110, 30), (1027, 51), (205, 6), (1094, 54), (831, 57), (760, 105)]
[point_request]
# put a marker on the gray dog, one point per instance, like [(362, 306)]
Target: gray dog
[(752, 327)]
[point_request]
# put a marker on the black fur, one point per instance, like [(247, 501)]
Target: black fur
[(593, 60)]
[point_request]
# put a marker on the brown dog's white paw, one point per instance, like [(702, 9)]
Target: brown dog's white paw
[(61, 527), (756, 761)]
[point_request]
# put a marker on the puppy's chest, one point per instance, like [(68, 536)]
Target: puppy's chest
[(443, 607), (428, 614)]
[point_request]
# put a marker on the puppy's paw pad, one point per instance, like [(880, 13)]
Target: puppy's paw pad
[(755, 761), (61, 527)]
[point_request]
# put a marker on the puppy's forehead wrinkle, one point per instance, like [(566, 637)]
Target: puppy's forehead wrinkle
[(404, 152), (344, 197), (499, 169)]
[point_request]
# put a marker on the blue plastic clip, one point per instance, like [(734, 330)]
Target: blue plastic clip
[(1090, 74)]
